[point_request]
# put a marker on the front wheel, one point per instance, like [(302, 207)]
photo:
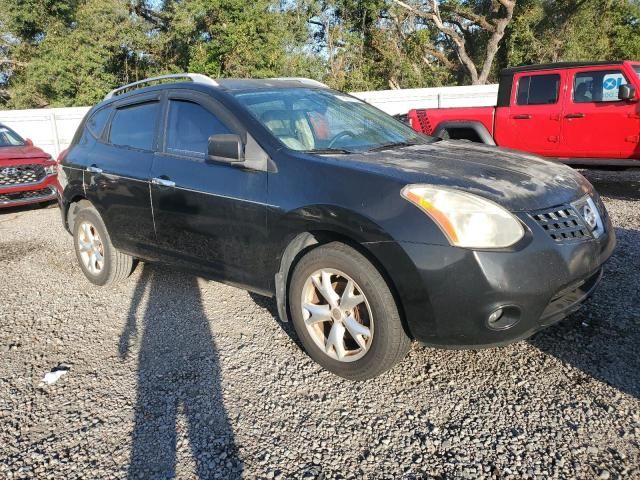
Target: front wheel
[(99, 260), (344, 313)]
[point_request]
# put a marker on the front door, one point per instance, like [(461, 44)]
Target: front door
[(209, 216), (117, 173), (596, 124), (535, 114)]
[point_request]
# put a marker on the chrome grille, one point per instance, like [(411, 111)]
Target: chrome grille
[(21, 175), (28, 195), (562, 224)]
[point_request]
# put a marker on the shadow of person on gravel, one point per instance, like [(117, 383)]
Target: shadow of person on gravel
[(601, 339), (178, 378)]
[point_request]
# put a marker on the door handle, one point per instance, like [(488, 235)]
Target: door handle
[(575, 115), (524, 116), (94, 169), (163, 182)]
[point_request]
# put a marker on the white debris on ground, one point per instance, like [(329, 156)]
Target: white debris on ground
[(54, 375)]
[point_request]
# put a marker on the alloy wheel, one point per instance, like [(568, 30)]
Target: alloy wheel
[(91, 248), (337, 315)]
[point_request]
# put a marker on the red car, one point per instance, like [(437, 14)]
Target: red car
[(579, 113), (27, 174)]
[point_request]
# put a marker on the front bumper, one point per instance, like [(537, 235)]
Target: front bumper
[(43, 191), (447, 294)]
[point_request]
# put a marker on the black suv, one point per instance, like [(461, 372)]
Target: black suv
[(368, 233)]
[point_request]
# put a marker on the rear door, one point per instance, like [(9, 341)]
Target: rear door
[(596, 124), (209, 216), (533, 123), (117, 173)]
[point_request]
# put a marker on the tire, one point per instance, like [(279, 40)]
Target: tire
[(364, 355), (115, 265)]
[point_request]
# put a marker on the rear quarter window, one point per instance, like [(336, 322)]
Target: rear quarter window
[(97, 121), (135, 126)]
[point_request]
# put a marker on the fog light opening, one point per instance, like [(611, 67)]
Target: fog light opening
[(495, 316), (503, 318)]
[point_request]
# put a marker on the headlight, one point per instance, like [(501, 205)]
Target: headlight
[(467, 220), (51, 169)]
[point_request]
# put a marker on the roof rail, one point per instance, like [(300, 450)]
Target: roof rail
[(308, 81), (194, 77)]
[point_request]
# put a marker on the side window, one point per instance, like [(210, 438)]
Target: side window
[(538, 89), (98, 120), (189, 127), (135, 126), (597, 86)]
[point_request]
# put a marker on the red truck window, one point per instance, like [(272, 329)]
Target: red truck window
[(637, 69), (538, 89), (598, 86)]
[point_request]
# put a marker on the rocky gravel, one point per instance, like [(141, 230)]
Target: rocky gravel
[(171, 376)]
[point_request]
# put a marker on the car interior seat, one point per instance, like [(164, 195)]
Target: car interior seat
[(583, 93), (291, 127)]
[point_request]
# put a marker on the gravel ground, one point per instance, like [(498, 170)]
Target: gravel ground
[(174, 377)]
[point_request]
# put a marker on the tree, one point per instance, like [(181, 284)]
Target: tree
[(368, 45), (459, 21), (225, 38), (71, 56), (550, 31)]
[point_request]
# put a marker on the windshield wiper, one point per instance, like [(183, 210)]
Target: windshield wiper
[(386, 146), (320, 151)]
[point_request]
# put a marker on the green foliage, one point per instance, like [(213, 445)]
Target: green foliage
[(565, 30), (71, 52)]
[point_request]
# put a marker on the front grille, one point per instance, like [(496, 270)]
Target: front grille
[(29, 195), (21, 175), (562, 224)]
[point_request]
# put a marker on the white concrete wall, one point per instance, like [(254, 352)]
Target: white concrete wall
[(396, 102), (50, 128), (53, 128)]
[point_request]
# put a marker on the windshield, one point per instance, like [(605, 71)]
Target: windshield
[(313, 120), (9, 138)]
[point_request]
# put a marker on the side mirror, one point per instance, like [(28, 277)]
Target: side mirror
[(225, 147), (28, 142), (627, 92)]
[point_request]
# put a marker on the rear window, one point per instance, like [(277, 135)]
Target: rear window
[(538, 89), (637, 69), (135, 126)]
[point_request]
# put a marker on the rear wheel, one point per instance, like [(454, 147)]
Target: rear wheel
[(99, 260), (344, 313)]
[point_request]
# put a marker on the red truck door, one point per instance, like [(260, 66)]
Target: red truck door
[(596, 124), (532, 122)]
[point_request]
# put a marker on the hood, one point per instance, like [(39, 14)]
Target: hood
[(518, 181), (24, 152)]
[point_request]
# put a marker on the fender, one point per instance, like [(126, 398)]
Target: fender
[(313, 225), (477, 127)]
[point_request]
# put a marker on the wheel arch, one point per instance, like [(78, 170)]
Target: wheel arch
[(71, 209), (307, 241), (477, 127)]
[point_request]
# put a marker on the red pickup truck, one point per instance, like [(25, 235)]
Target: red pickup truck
[(579, 113)]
